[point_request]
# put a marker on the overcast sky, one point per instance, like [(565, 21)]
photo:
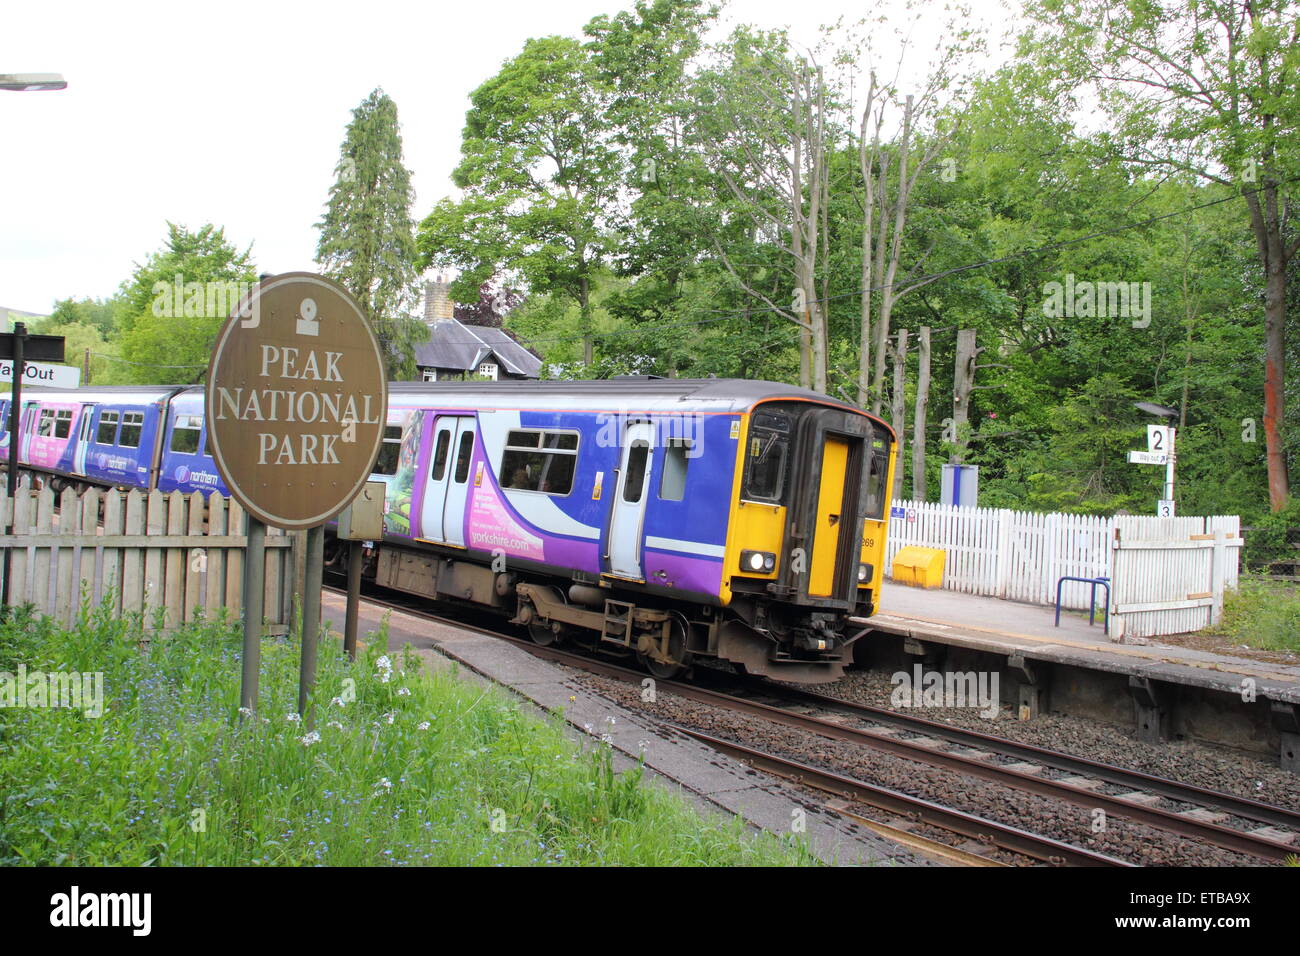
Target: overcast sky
[(233, 113)]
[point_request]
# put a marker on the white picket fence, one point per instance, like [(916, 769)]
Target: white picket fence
[(1020, 556)]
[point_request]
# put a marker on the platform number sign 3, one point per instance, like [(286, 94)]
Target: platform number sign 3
[(1165, 508)]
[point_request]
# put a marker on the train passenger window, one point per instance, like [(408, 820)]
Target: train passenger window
[(440, 456), (63, 423), (388, 451), (635, 480), (132, 425), (672, 484), (45, 427), (185, 434), (463, 455), (540, 461), (106, 434)]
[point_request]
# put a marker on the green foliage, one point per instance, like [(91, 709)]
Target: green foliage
[(165, 338), (416, 770), (1262, 613), (367, 238)]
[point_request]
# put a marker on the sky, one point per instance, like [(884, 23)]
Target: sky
[(233, 114)]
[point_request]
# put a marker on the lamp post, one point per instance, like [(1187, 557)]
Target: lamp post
[(20, 83), (32, 82)]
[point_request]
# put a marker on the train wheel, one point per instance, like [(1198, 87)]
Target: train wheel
[(667, 670), (544, 633)]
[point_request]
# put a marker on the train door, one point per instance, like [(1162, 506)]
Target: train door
[(627, 516), (83, 440), (442, 516), (28, 427), (830, 508)]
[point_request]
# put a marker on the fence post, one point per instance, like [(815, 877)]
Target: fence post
[(1218, 568), (1004, 552)]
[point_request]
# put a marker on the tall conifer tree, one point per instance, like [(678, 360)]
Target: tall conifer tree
[(367, 238)]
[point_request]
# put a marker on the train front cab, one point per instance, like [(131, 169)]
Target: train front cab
[(806, 537)]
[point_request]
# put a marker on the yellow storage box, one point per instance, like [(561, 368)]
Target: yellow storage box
[(919, 566)]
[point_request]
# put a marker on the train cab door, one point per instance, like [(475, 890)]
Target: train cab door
[(442, 516), (831, 506), (627, 514), (83, 440)]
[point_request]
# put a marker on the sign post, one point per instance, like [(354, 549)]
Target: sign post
[(1160, 451), (363, 520), (18, 346), (296, 404)]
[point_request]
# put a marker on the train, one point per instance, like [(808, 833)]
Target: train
[(673, 520)]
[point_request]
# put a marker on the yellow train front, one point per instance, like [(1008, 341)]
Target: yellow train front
[(673, 520), (806, 536)]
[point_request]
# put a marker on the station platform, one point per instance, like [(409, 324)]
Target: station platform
[(1008, 628)]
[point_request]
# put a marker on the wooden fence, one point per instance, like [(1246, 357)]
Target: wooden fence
[(1020, 556), (173, 558)]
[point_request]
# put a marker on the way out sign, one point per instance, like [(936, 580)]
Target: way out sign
[(296, 401)]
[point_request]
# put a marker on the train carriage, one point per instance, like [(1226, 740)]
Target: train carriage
[(94, 436), (669, 518)]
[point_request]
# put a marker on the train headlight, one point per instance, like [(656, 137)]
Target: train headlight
[(760, 562), (864, 573)]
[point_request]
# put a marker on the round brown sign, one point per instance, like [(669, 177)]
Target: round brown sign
[(296, 400)]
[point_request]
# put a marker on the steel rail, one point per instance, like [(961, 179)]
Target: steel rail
[(977, 828), (1243, 807)]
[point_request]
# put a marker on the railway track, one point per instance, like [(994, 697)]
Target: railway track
[(846, 792), (1261, 830)]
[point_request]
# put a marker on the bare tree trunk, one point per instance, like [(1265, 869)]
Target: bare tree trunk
[(898, 412), (918, 424), (584, 301), (963, 382), (867, 162)]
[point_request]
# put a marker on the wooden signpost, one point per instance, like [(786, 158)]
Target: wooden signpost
[(296, 404)]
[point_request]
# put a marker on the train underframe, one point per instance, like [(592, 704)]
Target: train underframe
[(666, 636)]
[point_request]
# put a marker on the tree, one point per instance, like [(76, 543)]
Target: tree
[(1208, 87), (175, 303), (768, 137), (367, 238), (542, 181)]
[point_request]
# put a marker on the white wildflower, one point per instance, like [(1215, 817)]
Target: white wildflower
[(309, 738), (422, 725)]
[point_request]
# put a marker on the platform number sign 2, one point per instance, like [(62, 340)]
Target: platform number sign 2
[(1158, 439)]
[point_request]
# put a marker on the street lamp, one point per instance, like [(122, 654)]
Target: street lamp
[(32, 82), (1165, 412), (19, 83)]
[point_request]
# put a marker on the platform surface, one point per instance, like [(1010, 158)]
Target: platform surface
[(1008, 627)]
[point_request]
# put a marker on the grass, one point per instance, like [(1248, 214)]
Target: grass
[(409, 768), (1262, 613)]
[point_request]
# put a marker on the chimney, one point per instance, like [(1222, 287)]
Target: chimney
[(437, 300)]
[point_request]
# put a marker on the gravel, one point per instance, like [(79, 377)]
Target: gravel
[(1137, 843)]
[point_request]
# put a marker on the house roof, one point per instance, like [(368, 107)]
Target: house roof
[(453, 344)]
